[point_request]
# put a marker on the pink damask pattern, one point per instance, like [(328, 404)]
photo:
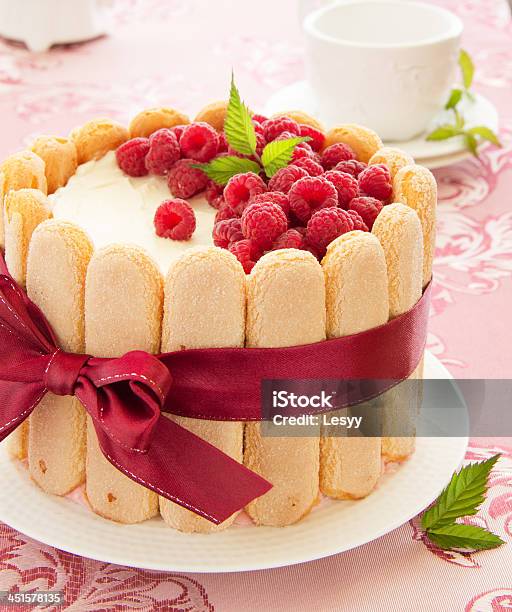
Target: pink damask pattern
[(179, 53)]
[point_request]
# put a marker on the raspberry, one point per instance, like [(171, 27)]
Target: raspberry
[(301, 229), (178, 130), (281, 199), (291, 239), (309, 165), (335, 154), (246, 253), (346, 186), (368, 209), (185, 181), (357, 220), (326, 225), (131, 156), (199, 141), (309, 194), (175, 219), (258, 128), (274, 127), (223, 143), (241, 188), (225, 212), (350, 166), (284, 178), (317, 137), (259, 118), (213, 194), (260, 143), (227, 231), (164, 151), (263, 222), (375, 181), (301, 151)]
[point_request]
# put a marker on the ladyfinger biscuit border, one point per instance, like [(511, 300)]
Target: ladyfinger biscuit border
[(60, 157), (416, 187), (152, 119), (59, 254), (123, 312), (25, 209), (96, 138), (204, 307), (290, 463), (362, 140), (395, 159), (214, 114)]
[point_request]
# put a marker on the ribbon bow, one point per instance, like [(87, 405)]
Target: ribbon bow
[(124, 398)]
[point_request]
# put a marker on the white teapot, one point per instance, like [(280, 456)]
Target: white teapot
[(43, 23)]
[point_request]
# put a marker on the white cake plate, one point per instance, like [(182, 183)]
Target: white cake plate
[(333, 527), (432, 154)]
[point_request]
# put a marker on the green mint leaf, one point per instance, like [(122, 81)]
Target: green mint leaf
[(238, 125), (462, 497), (443, 132), (221, 169), (278, 153), (467, 68), (485, 133), (468, 537), (454, 99), (459, 119), (471, 143)]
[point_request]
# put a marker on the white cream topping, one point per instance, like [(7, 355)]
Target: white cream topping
[(114, 208)]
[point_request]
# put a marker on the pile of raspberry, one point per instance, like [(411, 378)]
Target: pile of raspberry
[(171, 152), (320, 195)]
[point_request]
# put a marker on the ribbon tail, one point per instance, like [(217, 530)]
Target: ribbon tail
[(187, 470), (17, 402)]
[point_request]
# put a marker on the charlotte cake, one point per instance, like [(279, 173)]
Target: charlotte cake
[(120, 258)]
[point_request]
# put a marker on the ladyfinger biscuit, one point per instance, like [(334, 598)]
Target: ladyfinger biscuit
[(395, 159), (214, 114), (25, 209), (301, 117), (96, 138), (398, 229), (285, 307), (60, 158), (362, 140), (357, 300), (57, 262), (123, 310), (416, 186), (152, 119), (204, 308), (24, 170)]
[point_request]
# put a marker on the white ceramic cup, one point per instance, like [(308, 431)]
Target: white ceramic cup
[(386, 64), (43, 23)]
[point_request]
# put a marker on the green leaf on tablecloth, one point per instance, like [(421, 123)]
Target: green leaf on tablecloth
[(238, 125), (471, 143), (454, 99), (472, 136), (443, 132), (221, 169), (467, 68), (465, 537), (485, 133), (462, 497), (278, 153)]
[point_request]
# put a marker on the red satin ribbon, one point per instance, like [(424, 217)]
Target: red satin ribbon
[(125, 396)]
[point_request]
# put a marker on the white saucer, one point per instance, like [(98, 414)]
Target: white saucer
[(433, 154), (333, 527)]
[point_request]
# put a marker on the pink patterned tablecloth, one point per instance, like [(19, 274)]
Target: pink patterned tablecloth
[(180, 53)]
